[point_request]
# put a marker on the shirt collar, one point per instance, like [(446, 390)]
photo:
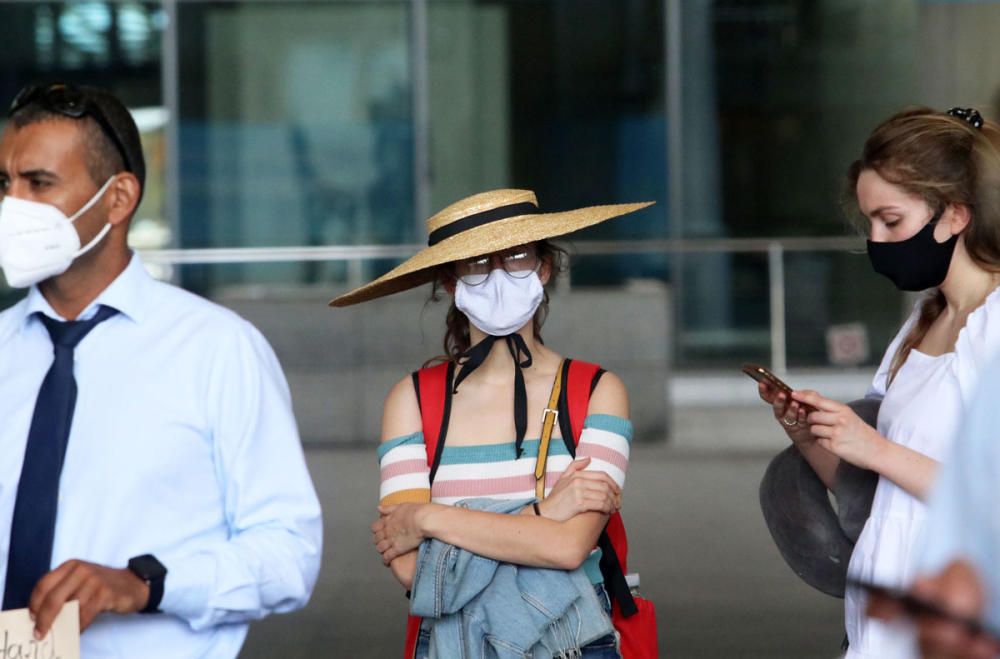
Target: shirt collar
[(127, 294)]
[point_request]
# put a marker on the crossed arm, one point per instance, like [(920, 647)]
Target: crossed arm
[(573, 515)]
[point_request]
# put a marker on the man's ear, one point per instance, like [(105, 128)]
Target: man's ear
[(123, 197)]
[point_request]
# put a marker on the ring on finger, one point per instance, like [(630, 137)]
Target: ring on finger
[(790, 424)]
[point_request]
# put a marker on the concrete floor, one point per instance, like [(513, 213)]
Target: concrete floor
[(697, 538)]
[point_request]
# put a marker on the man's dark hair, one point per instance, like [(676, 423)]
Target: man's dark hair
[(103, 159)]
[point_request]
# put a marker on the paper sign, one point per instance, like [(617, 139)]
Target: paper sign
[(17, 635)]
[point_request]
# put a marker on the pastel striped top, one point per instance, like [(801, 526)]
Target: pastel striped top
[(492, 470)]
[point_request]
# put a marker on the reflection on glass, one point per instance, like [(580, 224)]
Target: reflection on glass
[(307, 141), (151, 228), (296, 127), (834, 290), (565, 98), (80, 35)]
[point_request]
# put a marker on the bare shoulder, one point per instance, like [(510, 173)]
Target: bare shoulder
[(401, 412), (609, 397)]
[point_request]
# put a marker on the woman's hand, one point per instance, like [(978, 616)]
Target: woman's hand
[(791, 415), (404, 568), (578, 491), (840, 431), (398, 529)]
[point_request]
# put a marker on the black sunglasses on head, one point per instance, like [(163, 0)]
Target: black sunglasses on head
[(71, 102)]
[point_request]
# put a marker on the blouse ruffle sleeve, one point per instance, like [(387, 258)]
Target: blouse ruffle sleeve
[(977, 345)]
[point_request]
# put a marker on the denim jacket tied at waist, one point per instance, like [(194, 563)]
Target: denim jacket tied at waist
[(480, 608)]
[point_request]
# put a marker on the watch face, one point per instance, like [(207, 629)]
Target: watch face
[(147, 567)]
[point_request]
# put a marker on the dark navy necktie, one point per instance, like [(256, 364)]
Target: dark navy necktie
[(33, 528)]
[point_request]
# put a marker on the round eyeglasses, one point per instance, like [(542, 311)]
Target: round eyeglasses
[(518, 262)]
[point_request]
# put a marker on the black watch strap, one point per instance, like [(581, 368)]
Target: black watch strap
[(153, 572)]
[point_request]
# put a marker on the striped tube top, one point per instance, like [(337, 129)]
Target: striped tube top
[(492, 470)]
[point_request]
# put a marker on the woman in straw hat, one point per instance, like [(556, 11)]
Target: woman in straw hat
[(490, 253), (928, 187)]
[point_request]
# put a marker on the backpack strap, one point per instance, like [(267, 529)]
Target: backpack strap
[(613, 569), (581, 380), (433, 388)]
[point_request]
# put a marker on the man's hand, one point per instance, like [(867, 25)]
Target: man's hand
[(956, 589), (96, 587)]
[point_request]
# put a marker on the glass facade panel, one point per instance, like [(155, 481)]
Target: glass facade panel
[(341, 123), (724, 310), (295, 127), (798, 85), (830, 297), (839, 312), (341, 363), (298, 124), (564, 97), (778, 98)]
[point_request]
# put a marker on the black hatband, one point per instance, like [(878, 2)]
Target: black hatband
[(479, 219)]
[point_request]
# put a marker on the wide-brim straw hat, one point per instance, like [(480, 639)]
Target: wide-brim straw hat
[(815, 539), (481, 224)]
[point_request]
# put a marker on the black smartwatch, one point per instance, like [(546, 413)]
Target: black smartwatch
[(152, 571)]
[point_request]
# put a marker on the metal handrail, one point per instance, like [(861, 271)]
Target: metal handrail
[(215, 255), (774, 248)]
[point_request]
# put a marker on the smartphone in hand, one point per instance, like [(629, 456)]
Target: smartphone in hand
[(915, 607), (762, 374)]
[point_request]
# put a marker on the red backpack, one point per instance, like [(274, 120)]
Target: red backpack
[(434, 391)]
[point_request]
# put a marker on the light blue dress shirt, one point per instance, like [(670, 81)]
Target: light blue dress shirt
[(963, 521), (183, 446)]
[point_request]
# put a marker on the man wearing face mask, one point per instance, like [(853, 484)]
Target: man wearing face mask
[(151, 467)]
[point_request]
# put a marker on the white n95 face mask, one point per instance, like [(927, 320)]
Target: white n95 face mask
[(502, 304), (38, 241)]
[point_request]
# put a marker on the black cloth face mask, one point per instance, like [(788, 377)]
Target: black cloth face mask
[(917, 263)]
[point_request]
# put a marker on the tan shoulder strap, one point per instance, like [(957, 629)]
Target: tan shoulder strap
[(549, 418)]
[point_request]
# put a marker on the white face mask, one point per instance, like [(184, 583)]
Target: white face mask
[(502, 304), (37, 241)]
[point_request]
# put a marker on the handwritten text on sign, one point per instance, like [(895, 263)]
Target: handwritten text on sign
[(17, 635)]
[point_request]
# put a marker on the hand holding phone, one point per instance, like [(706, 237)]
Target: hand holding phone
[(795, 423), (762, 374), (918, 607)]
